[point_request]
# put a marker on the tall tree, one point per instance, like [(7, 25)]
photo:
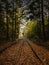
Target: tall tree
[(43, 25)]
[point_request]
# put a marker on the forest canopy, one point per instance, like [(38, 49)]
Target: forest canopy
[(14, 11)]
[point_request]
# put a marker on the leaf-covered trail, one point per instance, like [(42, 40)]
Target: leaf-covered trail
[(24, 52)]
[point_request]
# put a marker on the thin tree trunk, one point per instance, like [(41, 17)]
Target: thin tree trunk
[(43, 25), (15, 26), (13, 23), (7, 21), (7, 29)]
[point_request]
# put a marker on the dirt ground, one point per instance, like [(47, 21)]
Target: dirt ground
[(24, 52)]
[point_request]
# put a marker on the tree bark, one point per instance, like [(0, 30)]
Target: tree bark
[(43, 25)]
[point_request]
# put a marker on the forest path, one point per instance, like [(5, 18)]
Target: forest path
[(24, 52)]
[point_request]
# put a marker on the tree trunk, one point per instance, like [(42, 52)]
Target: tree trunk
[(43, 25)]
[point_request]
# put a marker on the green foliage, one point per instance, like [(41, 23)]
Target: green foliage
[(10, 19), (34, 31), (30, 29)]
